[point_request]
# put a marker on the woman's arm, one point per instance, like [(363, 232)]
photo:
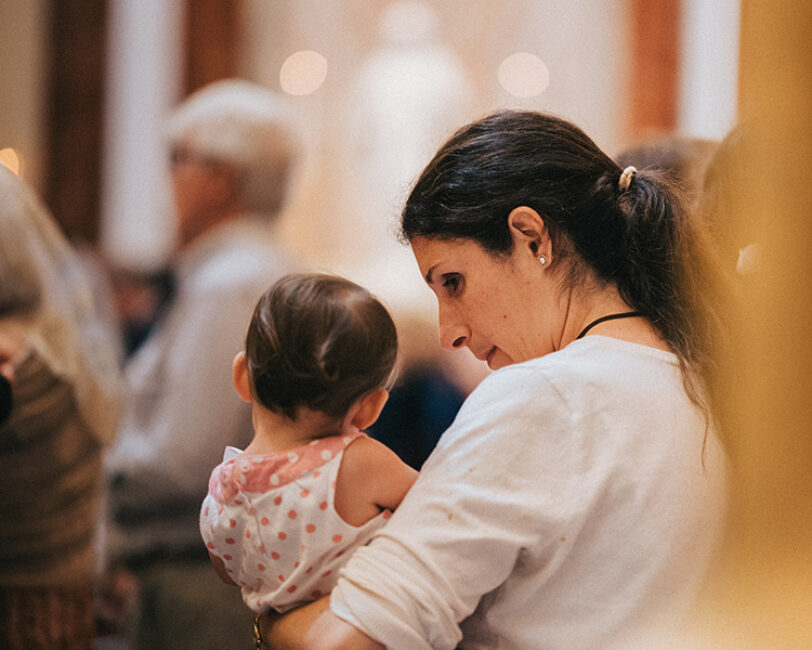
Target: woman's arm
[(312, 627)]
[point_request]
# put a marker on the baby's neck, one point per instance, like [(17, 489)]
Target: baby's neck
[(274, 432)]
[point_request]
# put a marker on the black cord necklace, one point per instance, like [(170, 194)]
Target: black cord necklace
[(597, 321)]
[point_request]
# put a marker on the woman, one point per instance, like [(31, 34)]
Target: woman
[(62, 368), (577, 498)]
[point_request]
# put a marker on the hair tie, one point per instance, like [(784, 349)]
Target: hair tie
[(626, 178)]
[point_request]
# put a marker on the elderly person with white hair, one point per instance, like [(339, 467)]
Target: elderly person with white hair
[(231, 149)]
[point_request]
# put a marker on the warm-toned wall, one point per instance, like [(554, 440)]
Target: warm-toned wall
[(23, 77)]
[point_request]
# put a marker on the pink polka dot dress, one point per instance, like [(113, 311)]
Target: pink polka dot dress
[(271, 519)]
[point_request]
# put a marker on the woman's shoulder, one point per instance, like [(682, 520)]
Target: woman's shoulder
[(579, 376), (601, 356), (569, 401)]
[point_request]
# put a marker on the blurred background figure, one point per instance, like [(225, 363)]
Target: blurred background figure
[(139, 297), (410, 92), (60, 360), (722, 199), (232, 147), (682, 159)]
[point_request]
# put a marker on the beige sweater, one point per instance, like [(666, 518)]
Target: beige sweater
[(50, 471)]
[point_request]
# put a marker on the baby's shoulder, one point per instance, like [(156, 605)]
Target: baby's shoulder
[(366, 461)]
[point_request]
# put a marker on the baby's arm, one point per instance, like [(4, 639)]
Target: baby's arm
[(371, 478)]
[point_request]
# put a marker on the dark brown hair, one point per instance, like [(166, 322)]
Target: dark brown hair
[(681, 159), (318, 341), (638, 238)]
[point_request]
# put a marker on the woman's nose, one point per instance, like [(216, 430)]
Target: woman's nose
[(453, 333)]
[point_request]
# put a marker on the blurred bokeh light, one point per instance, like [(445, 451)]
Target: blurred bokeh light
[(11, 159), (303, 73), (523, 75)]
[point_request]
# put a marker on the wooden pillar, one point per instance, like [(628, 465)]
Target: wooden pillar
[(73, 128), (212, 33), (654, 74)]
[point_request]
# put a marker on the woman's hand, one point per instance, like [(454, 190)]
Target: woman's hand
[(312, 627), (8, 349)]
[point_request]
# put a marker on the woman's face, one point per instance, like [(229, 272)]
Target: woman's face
[(502, 308)]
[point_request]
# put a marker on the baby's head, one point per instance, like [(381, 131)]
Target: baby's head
[(320, 342)]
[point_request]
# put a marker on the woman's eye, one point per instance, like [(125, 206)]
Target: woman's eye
[(452, 283)]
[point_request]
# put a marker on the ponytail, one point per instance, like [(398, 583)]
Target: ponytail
[(670, 276)]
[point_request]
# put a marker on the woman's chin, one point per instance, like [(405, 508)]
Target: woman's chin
[(498, 359)]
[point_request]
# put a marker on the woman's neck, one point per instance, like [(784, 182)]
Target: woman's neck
[(274, 432), (590, 306)]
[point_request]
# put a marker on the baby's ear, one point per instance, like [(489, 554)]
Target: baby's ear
[(368, 408), (241, 381)]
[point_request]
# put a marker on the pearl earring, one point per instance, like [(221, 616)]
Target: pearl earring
[(543, 260)]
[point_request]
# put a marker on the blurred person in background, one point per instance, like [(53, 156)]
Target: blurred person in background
[(232, 149), (410, 91), (61, 363), (722, 201), (139, 298), (682, 160)]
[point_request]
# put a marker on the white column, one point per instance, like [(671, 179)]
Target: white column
[(709, 67), (143, 82)]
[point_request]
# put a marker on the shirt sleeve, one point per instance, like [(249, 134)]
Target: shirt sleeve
[(500, 481)]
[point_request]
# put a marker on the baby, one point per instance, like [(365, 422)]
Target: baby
[(283, 516)]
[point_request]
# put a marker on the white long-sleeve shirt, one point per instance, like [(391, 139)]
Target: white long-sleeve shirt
[(182, 408), (569, 505)]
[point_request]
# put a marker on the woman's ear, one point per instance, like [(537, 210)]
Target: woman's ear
[(368, 408), (241, 381), (529, 232)]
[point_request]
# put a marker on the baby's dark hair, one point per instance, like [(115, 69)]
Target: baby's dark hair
[(318, 341)]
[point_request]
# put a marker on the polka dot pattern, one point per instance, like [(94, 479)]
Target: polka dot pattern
[(271, 520)]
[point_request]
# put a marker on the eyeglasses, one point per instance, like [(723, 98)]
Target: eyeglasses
[(182, 156)]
